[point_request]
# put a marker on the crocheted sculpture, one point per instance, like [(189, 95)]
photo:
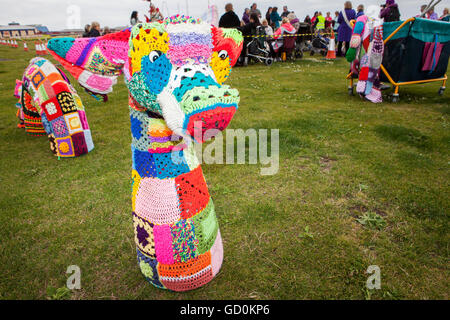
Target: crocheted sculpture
[(366, 57), (49, 105), (174, 71)]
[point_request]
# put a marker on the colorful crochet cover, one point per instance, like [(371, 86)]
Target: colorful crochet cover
[(49, 105), (175, 71)]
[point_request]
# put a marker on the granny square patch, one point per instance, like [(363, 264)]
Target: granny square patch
[(143, 236), (73, 122), (59, 128), (37, 79), (66, 102), (52, 109), (64, 147)]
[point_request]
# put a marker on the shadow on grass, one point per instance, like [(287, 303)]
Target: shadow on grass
[(404, 135)]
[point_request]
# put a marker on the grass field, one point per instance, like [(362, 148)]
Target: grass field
[(359, 184)]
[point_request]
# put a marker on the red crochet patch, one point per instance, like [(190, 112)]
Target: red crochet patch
[(192, 192)]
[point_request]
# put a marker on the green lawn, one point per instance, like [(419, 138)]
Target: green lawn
[(298, 234)]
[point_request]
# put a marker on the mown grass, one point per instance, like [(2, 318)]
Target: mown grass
[(293, 235)]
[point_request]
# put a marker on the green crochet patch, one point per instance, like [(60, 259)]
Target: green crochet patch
[(146, 269), (141, 94), (206, 228), (234, 34)]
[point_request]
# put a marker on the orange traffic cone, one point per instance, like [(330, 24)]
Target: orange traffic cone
[(25, 47), (38, 48), (331, 55)]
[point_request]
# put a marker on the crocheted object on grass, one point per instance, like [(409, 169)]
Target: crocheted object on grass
[(50, 106), (174, 70)]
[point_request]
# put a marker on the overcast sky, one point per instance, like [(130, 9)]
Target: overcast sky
[(113, 13)]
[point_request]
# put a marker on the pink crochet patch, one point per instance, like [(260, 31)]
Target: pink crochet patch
[(163, 244), (83, 120), (192, 51), (77, 48), (113, 50), (217, 254), (99, 83), (157, 201)]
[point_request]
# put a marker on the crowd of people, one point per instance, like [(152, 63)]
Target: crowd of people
[(276, 23)]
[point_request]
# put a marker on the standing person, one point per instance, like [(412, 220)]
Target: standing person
[(134, 18), (106, 30), (293, 20), (254, 10), (335, 21), (87, 28), (345, 28), (246, 16), (95, 30), (320, 22), (275, 17), (445, 15), (248, 30), (390, 11), (285, 12), (155, 14), (360, 11), (328, 21), (314, 18), (432, 15), (229, 19), (269, 11)]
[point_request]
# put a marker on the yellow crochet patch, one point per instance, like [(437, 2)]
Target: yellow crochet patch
[(136, 178), (221, 68), (144, 43)]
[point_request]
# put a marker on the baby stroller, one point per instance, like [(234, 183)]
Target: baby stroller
[(303, 41), (319, 45), (258, 49)]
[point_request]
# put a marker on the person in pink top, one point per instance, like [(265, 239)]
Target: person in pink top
[(285, 28)]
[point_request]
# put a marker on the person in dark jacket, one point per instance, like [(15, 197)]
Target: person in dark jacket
[(390, 12), (246, 16), (229, 19), (269, 11), (95, 30), (87, 28), (248, 30)]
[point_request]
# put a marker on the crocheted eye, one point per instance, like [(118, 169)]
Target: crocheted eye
[(154, 55), (223, 54)]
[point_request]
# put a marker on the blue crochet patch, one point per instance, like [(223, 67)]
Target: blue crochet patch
[(170, 165), (198, 80), (144, 163), (136, 129), (47, 125), (39, 63), (359, 27), (157, 74)]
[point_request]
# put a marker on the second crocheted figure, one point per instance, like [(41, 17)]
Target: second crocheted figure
[(50, 106), (174, 71)]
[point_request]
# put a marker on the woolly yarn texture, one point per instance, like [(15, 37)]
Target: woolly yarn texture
[(174, 70), (49, 105)]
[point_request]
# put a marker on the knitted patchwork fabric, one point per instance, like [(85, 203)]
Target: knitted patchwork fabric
[(174, 70), (52, 107)]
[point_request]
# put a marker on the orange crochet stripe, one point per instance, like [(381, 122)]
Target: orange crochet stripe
[(185, 269)]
